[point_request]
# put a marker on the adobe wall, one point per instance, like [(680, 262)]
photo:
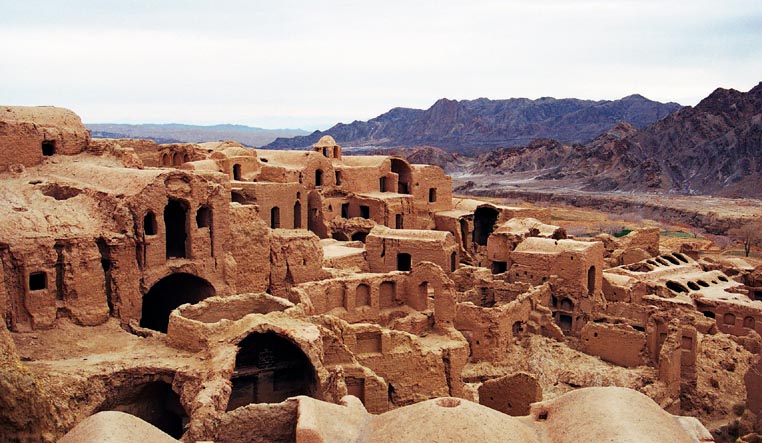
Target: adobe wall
[(616, 343), (511, 394), (36, 132), (147, 150), (296, 256), (427, 178), (365, 179), (359, 298), (284, 197), (414, 371), (249, 247), (382, 252)]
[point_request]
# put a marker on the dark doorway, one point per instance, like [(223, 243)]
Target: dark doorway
[(359, 236), (297, 215), (382, 184), (498, 267), (340, 236), (484, 223), (319, 177), (398, 221), (175, 227), (237, 172), (453, 262), (275, 217), (204, 217), (169, 293), (464, 233), (149, 224), (565, 322), (387, 293), (404, 175), (48, 148), (591, 280), (404, 262), (338, 178), (154, 402), (364, 211), (315, 221), (345, 210), (270, 368), (432, 195)]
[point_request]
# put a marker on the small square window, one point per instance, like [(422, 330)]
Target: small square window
[(37, 281)]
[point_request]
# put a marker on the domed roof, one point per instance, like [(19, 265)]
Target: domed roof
[(449, 420), (325, 141)]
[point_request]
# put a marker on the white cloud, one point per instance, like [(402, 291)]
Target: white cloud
[(299, 63)]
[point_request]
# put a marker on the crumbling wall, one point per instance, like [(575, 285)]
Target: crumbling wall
[(295, 257), (616, 343), (249, 247), (511, 394), (26, 415), (37, 132)]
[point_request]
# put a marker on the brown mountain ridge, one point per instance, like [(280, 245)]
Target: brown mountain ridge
[(713, 148)]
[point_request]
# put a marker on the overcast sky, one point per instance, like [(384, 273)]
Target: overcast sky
[(310, 64)]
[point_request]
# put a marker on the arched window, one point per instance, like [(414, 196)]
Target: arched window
[(48, 147), (432, 195), (204, 217), (362, 295), (175, 228), (297, 215), (729, 319), (275, 217), (149, 223)]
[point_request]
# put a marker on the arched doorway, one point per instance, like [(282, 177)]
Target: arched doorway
[(175, 228), (169, 293), (315, 221), (237, 172), (297, 215), (464, 233), (484, 223), (154, 402), (270, 368), (275, 217)]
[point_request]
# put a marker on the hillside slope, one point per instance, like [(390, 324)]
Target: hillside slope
[(713, 148)]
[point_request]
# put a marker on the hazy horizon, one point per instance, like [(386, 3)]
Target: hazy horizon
[(308, 65)]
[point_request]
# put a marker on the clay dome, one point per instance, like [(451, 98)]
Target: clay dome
[(449, 420), (325, 141)]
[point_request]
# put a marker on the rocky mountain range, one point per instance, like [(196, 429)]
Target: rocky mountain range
[(179, 133), (713, 148), (473, 126)]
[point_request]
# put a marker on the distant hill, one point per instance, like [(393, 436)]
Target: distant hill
[(473, 126), (176, 133), (713, 148)]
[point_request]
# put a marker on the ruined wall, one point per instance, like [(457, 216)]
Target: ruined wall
[(432, 189), (616, 343), (511, 394), (295, 257), (385, 251), (147, 150), (29, 134), (249, 246)]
